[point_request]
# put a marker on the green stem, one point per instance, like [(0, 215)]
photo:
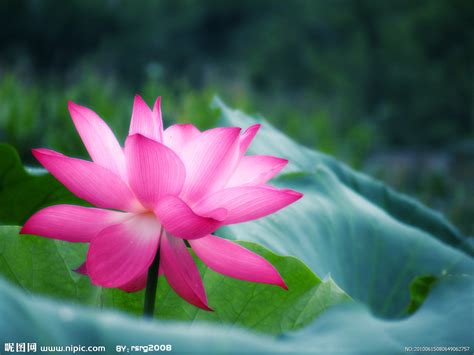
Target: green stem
[(151, 285)]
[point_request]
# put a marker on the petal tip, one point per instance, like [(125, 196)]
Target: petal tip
[(205, 307), (282, 284), (157, 103), (280, 164), (25, 229), (253, 130), (71, 105), (82, 269), (297, 195), (139, 101), (38, 153), (74, 108)]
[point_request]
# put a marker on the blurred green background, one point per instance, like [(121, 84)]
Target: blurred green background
[(387, 86)]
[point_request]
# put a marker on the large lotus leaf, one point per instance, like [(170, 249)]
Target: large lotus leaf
[(44, 266), (348, 329), (368, 248), (23, 192)]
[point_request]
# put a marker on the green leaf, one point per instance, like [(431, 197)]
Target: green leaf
[(259, 307), (24, 192), (42, 265), (362, 241), (347, 328)]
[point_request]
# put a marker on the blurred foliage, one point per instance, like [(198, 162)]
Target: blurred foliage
[(352, 78), (403, 65)]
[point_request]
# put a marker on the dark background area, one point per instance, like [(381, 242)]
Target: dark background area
[(387, 86)]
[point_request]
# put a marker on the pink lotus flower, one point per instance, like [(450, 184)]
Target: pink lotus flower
[(173, 185)]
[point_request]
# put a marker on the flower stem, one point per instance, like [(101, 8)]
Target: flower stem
[(151, 285)]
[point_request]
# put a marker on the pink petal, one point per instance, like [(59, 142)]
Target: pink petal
[(179, 219), (121, 253), (144, 121), (71, 223), (181, 272), (228, 258), (98, 138), (247, 137), (210, 160), (256, 170), (178, 135), (157, 118), (153, 169), (246, 203), (89, 181)]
